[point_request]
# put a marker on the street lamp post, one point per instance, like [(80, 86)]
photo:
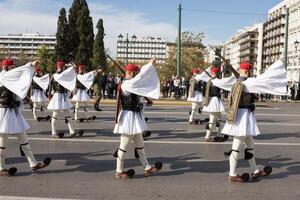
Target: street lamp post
[(178, 60), (127, 41)]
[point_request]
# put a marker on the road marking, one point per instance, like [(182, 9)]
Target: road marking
[(29, 198), (158, 141), (180, 122), (167, 113)]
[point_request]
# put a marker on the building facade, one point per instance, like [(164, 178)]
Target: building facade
[(232, 49), (274, 35), (246, 45), (137, 50), (293, 68), (26, 43)]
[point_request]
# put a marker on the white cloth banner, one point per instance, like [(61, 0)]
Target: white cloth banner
[(86, 79), (146, 83), (203, 76), (18, 80), (43, 81), (272, 81), (67, 78)]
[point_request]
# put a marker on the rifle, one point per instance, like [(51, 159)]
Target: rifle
[(208, 74), (119, 89), (235, 73), (116, 64)]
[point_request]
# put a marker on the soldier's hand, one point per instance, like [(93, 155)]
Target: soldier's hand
[(153, 61), (149, 102), (35, 63)]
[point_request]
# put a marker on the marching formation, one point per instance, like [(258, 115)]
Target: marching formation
[(135, 92)]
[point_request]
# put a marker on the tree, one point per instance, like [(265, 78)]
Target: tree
[(47, 59), (99, 57), (5, 53), (72, 27), (62, 44), (86, 37), (22, 58), (191, 56)]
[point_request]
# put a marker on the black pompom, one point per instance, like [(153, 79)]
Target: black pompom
[(115, 154), (246, 177), (47, 161), (158, 165), (130, 173)]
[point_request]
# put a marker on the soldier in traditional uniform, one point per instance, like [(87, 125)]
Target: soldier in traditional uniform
[(241, 122), (213, 105), (39, 86), (195, 96), (98, 91), (83, 83), (130, 122), (14, 86), (62, 83)]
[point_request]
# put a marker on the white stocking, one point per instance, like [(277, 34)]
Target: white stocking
[(139, 144), (3, 139), (233, 159), (25, 147)]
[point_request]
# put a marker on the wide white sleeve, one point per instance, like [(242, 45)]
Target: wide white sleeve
[(67, 78), (146, 83), (224, 83), (86, 79), (272, 81), (18, 80), (203, 77), (43, 81)]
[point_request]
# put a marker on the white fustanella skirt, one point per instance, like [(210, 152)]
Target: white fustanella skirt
[(38, 96), (60, 101), (81, 95), (130, 123), (12, 121), (198, 97), (244, 125), (215, 105)]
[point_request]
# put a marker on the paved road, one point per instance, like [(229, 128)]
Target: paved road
[(83, 168)]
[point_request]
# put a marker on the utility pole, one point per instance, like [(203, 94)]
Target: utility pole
[(178, 60), (127, 41), (286, 37)]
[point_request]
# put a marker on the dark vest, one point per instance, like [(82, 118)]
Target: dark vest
[(58, 87), (131, 102), (35, 86), (7, 99), (79, 85), (198, 86), (246, 100), (214, 91)]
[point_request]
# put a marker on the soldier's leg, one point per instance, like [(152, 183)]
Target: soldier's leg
[(34, 110), (43, 114), (234, 156), (53, 122), (193, 111), (249, 153), (124, 142), (209, 126), (69, 121), (77, 106), (86, 110), (25, 149), (140, 151), (3, 139), (219, 123)]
